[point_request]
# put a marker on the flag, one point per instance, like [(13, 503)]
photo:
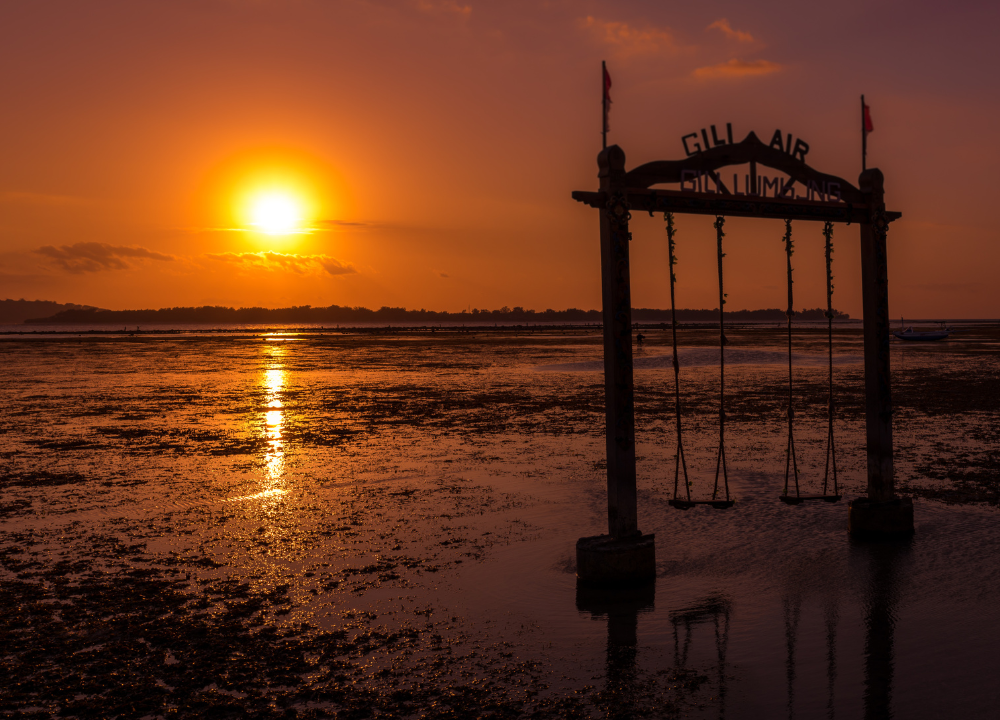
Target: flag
[(607, 96), (868, 119)]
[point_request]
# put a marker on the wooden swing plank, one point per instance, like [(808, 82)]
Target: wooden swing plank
[(796, 499), (688, 504)]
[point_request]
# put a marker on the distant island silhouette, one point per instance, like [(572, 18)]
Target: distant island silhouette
[(336, 314), (13, 312)]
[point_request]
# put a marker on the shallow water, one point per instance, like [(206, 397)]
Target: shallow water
[(256, 526)]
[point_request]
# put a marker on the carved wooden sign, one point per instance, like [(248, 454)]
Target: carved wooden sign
[(758, 186), (751, 184), (771, 180), (797, 151)]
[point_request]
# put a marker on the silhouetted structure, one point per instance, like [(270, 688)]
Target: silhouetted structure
[(622, 191)]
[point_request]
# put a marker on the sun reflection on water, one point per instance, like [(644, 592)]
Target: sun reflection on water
[(264, 494), (273, 383)]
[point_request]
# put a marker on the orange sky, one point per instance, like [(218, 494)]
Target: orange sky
[(437, 143)]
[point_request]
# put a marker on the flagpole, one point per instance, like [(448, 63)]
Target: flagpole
[(864, 137), (604, 106)]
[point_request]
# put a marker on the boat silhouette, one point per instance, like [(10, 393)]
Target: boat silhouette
[(922, 335)]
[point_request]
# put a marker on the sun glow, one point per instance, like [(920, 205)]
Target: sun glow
[(276, 213), (275, 198)]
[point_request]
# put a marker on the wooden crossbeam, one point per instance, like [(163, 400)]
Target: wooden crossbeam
[(674, 201)]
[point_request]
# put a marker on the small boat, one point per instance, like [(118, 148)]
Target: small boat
[(928, 336)]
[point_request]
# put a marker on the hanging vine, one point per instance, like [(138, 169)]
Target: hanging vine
[(831, 455), (680, 462), (791, 463), (720, 462)]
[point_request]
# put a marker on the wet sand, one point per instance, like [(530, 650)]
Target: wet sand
[(358, 526)]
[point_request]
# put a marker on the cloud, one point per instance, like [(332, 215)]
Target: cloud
[(444, 6), (334, 267), (343, 224), (94, 257), (301, 264), (728, 31), (737, 69), (319, 226), (628, 39)]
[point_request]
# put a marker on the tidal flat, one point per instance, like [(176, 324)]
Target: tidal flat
[(383, 525)]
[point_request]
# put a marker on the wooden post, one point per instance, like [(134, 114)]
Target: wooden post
[(875, 299), (619, 402), (882, 512), (624, 556)]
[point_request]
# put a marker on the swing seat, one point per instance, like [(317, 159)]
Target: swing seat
[(688, 504), (797, 499)]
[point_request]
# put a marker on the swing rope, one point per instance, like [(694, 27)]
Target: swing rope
[(790, 461), (831, 455), (721, 458), (681, 462)]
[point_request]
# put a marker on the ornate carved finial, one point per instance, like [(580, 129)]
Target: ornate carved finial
[(611, 164), (871, 180)]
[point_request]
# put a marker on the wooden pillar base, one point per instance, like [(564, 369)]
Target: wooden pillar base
[(602, 560), (880, 519)]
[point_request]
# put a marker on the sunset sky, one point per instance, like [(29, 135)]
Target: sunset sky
[(423, 151)]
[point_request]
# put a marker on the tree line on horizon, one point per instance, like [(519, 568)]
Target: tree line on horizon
[(337, 314)]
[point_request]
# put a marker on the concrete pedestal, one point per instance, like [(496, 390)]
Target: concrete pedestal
[(886, 519), (603, 560)]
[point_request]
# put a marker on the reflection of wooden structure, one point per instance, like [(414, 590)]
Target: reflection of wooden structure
[(881, 566), (622, 609), (716, 611), (704, 192)]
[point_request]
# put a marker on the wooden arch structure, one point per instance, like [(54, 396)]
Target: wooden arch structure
[(625, 554)]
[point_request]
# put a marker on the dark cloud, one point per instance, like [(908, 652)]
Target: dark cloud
[(343, 224), (288, 262), (93, 256), (334, 267)]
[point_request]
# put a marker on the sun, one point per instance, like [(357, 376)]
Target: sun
[(272, 197), (276, 213)]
